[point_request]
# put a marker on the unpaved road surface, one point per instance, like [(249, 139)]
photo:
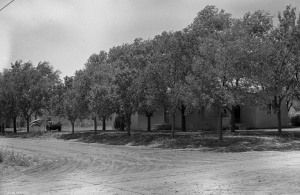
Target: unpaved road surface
[(67, 167)]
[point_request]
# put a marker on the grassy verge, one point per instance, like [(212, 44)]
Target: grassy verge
[(12, 163), (206, 141), (32, 134)]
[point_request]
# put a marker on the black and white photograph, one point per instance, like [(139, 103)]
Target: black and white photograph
[(140, 97)]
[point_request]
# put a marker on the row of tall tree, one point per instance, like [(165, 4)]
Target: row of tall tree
[(216, 61), (25, 90)]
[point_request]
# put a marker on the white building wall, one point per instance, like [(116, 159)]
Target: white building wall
[(207, 119), (135, 121), (265, 120), (157, 118), (248, 116)]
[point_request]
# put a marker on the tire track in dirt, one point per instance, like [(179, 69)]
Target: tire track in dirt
[(70, 167), (93, 163)]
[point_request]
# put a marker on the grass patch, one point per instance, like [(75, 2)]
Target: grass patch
[(232, 142), (239, 141), (9, 157), (32, 134), (115, 138)]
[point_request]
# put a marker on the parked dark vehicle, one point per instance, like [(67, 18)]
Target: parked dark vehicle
[(53, 126)]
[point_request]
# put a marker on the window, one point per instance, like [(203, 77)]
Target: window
[(188, 111), (271, 109)]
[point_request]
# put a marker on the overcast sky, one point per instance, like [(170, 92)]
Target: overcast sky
[(67, 32)]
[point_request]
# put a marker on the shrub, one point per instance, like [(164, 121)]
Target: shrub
[(295, 120), (118, 122), (11, 158)]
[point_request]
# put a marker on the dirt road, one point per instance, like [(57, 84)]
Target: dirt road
[(79, 168)]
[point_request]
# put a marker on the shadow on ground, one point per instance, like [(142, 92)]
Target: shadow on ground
[(239, 141)]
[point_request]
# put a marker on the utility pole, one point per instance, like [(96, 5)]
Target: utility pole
[(6, 5)]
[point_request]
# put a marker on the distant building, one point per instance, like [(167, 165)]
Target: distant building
[(247, 117)]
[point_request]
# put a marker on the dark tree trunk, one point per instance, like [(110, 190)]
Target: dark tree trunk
[(232, 119), (15, 124), (122, 125), (277, 102), (128, 130), (95, 125), (103, 123), (149, 115), (128, 124), (27, 123), (73, 124), (220, 125), (173, 124), (149, 122), (279, 119), (3, 128), (122, 128), (182, 110)]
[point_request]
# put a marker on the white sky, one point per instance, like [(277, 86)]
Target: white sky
[(67, 32)]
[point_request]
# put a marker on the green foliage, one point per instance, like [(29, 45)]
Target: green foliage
[(2, 102), (118, 122), (26, 89), (210, 20), (9, 96), (126, 63), (151, 87), (55, 106), (277, 64), (174, 53), (71, 100), (258, 23), (100, 91)]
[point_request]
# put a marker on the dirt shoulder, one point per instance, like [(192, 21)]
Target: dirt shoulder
[(71, 167)]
